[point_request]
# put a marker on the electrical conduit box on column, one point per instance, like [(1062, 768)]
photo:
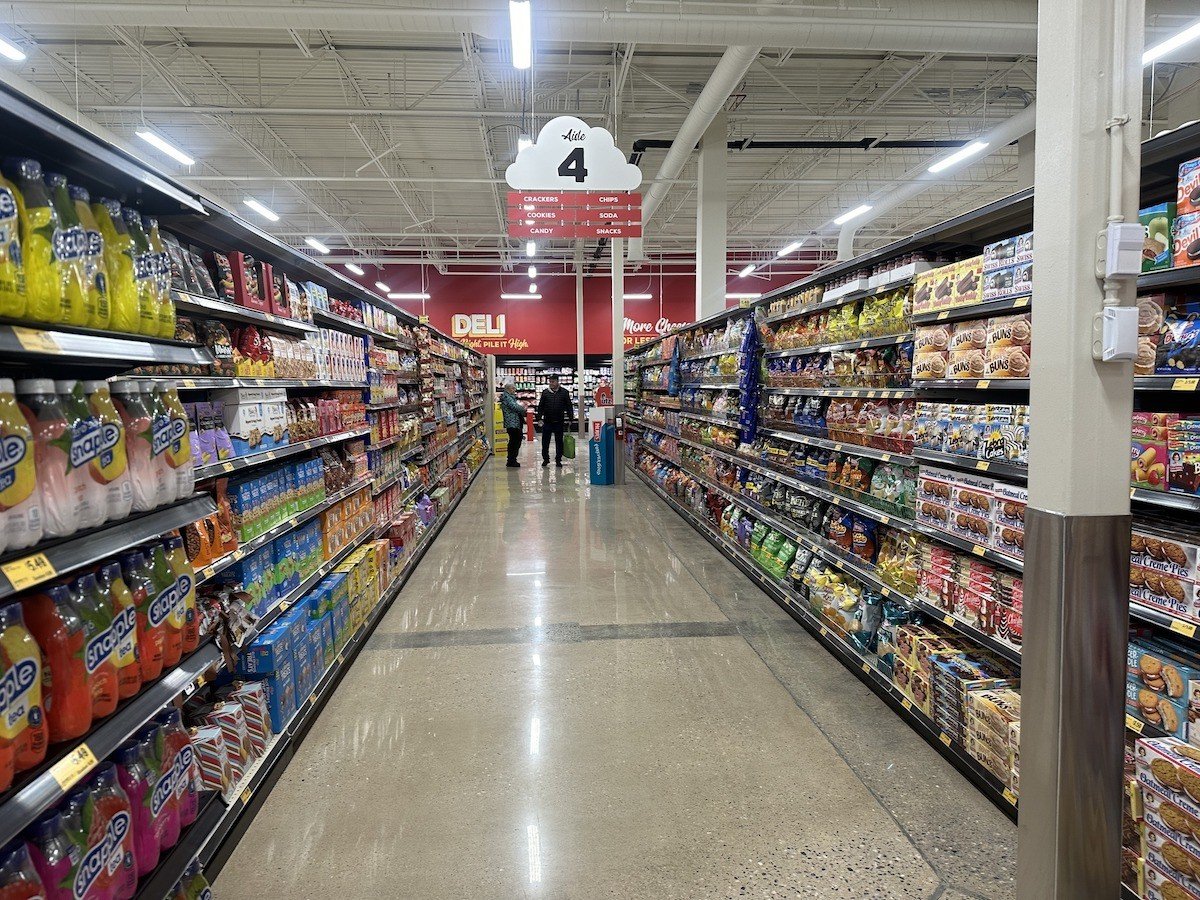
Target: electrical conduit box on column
[(601, 445)]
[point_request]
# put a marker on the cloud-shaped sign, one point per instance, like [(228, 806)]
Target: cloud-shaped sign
[(569, 155)]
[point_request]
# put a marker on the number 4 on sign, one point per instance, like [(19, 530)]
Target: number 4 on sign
[(572, 166)]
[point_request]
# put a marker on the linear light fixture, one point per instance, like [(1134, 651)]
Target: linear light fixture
[(316, 245), (746, 271), (383, 287), (972, 149), (408, 296), (533, 288), (531, 249), (639, 296), (790, 248), (263, 211), (11, 51), (741, 296), (1171, 44), (165, 146), (533, 271), (852, 214), (520, 18), (520, 296), (357, 270)]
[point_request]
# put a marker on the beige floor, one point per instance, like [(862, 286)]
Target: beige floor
[(575, 696)]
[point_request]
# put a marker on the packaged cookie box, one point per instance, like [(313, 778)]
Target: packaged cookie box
[(1185, 235), (1158, 667), (1008, 252), (1165, 552), (1171, 768), (1187, 197), (1157, 710), (1171, 858), (1158, 885), (1007, 539), (1156, 242), (971, 493), (1171, 822)]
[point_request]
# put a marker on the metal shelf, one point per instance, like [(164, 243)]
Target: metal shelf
[(238, 463), (1162, 619), (1169, 278), (1185, 383), (48, 560), (867, 393), (974, 311), (216, 383), (197, 304), (970, 547), (703, 417), (930, 386), (40, 344), (838, 446), (711, 385), (394, 439), (1173, 500), (653, 426), (862, 344), (333, 320), (1001, 467)]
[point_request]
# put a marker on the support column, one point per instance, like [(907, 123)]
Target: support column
[(618, 350), (712, 207), (1077, 524), (579, 336), (1025, 152)]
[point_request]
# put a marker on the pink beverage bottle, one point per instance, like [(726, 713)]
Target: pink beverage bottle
[(84, 428), (160, 443), (147, 478), (84, 830), (164, 808), (39, 404), (185, 768), (19, 880), (54, 855), (195, 885), (135, 780), (115, 814), (110, 467)]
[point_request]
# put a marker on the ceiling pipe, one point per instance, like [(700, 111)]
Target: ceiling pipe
[(642, 145), (999, 137)]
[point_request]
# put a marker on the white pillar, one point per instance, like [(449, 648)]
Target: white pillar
[(1077, 523), (618, 351), (712, 207), (579, 336), (1025, 152)]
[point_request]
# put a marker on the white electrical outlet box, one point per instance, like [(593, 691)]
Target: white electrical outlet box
[(1115, 334), (1123, 250)]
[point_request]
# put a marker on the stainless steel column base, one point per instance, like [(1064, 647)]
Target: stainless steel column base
[(1072, 705)]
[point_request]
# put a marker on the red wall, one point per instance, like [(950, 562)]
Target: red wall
[(547, 326)]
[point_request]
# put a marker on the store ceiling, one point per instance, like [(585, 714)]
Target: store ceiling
[(387, 130)]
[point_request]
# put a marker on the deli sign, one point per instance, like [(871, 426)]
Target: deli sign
[(480, 325)]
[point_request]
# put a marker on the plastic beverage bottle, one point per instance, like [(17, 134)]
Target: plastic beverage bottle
[(110, 467), (195, 885), (54, 855), (51, 442), (146, 477), (134, 778), (185, 767), (39, 222), (113, 820), (179, 455), (96, 612), (57, 627), (18, 878), (12, 266), (161, 439), (185, 590), (143, 273), (86, 830), (94, 267), (124, 308), (164, 808), (162, 277), (23, 726), (125, 629), (151, 634), (20, 499), (88, 497), (166, 604), (70, 246)]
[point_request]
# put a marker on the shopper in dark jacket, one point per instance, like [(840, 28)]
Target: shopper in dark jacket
[(555, 412)]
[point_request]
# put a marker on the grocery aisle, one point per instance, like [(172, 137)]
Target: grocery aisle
[(576, 696)]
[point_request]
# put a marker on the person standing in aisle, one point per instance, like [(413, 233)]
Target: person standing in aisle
[(514, 421), (555, 411)]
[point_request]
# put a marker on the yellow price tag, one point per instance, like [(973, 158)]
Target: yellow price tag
[(982, 465), (906, 703), (1134, 725), (872, 394), (270, 454), (824, 631), (227, 467), (886, 520), (977, 550), (1187, 629), (1185, 384), (208, 571), (246, 794), (837, 446), (187, 383), (944, 738), (1132, 493), (866, 667), (887, 457), (948, 619), (1010, 796), (28, 571), (944, 314), (284, 606), (72, 767), (1021, 303), (983, 383), (36, 341)]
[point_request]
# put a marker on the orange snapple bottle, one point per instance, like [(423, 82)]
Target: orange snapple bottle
[(125, 629), (151, 621), (167, 600), (57, 627), (96, 613), (22, 713)]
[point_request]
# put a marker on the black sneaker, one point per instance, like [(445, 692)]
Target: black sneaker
[(512, 465), (558, 463), (545, 462)]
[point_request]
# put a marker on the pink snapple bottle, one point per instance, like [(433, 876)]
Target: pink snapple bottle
[(184, 765), (146, 476), (19, 880), (135, 779), (164, 808), (40, 406), (115, 815), (53, 854)]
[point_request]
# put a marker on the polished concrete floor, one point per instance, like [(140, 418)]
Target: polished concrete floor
[(576, 696)]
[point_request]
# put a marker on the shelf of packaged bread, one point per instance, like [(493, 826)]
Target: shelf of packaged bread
[(68, 762), (1002, 467), (1172, 500), (712, 351), (972, 311), (849, 297), (868, 671), (952, 540), (185, 383), (51, 558), (711, 419), (861, 344), (857, 392), (1162, 619), (953, 385), (243, 550), (775, 431), (238, 463), (1183, 276), (83, 348), (196, 304), (1185, 383)]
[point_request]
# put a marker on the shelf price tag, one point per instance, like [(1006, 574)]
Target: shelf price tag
[(72, 767), (227, 467), (943, 315), (1010, 796), (944, 738), (1021, 303), (948, 619), (983, 465), (28, 571), (824, 631), (1185, 384), (978, 550), (866, 667), (246, 794), (1187, 629), (1134, 725), (36, 341), (983, 383), (907, 704)]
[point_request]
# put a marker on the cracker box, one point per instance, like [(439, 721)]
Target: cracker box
[(968, 282), (1185, 233), (1187, 198), (1155, 709), (1157, 222)]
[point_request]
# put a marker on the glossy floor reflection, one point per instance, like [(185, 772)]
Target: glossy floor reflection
[(575, 696)]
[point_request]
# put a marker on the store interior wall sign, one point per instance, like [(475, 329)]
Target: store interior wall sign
[(571, 155)]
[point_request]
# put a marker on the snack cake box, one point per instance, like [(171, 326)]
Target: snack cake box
[(1171, 768), (1008, 252), (1161, 886), (1160, 667), (1170, 858), (1155, 709), (1169, 820)]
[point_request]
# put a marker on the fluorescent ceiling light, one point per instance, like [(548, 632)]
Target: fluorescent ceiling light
[(852, 214), (533, 288), (1170, 45), (351, 267), (639, 296), (402, 296), (165, 146), (522, 143), (746, 271), (11, 51), (520, 17), (531, 248), (316, 245), (520, 296), (261, 210), (533, 271), (790, 248), (746, 296), (383, 287), (959, 155)]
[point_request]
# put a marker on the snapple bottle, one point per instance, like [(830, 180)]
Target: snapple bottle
[(113, 818), (19, 880), (177, 746), (20, 499), (124, 309), (185, 586), (70, 246), (162, 278), (147, 478), (48, 424), (135, 779), (179, 453), (110, 467), (125, 630), (151, 623), (164, 808), (95, 269), (166, 604), (12, 267), (23, 729), (39, 223), (161, 440), (96, 612), (55, 856), (143, 273), (57, 627), (88, 498)]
